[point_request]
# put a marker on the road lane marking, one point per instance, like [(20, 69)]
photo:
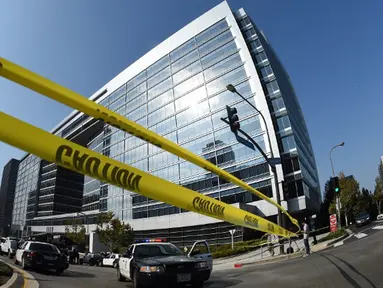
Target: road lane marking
[(340, 243), (378, 227), (360, 235)]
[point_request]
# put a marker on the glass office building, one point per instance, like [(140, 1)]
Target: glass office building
[(178, 90)]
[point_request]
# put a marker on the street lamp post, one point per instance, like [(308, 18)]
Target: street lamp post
[(232, 89), (86, 221), (333, 175)]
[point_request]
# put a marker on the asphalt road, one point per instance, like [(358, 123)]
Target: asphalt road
[(355, 264)]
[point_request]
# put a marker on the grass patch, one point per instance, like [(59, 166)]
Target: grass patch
[(239, 248), (5, 273), (333, 235)]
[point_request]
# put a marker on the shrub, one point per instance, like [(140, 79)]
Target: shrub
[(333, 235)]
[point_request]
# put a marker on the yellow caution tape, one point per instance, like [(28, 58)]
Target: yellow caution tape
[(82, 160), (70, 98)]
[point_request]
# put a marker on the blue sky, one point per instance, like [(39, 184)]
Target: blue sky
[(331, 49)]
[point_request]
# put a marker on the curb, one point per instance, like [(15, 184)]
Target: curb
[(26, 280), (331, 242), (279, 258), (13, 278)]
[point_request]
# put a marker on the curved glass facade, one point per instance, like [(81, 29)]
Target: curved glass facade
[(182, 97)]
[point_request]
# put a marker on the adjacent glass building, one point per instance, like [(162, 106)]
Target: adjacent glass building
[(178, 90), (7, 195)]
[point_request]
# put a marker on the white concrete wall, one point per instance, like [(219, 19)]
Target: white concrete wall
[(95, 246)]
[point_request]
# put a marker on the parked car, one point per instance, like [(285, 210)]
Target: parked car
[(379, 217), (91, 259), (362, 219), (9, 247), (40, 255), (112, 260)]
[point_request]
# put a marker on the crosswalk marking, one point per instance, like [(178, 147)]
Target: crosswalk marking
[(360, 235), (378, 227), (340, 243)]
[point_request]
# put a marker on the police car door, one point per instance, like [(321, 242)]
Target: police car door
[(201, 250), (20, 252), (128, 257)]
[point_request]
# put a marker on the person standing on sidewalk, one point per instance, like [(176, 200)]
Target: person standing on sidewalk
[(306, 232), (271, 240)]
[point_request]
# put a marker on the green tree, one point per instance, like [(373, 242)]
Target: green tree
[(349, 191), (327, 206), (113, 233), (332, 208), (363, 202), (75, 231), (378, 193)]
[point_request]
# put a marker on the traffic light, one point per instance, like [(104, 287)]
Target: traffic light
[(233, 119), (334, 183)]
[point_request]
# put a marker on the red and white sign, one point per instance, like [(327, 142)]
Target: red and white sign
[(333, 223)]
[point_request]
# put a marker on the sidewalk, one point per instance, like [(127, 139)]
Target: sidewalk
[(259, 257)]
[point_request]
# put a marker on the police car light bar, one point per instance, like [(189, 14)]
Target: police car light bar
[(150, 240)]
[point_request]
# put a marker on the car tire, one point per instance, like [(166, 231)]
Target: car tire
[(59, 271), (120, 278), (9, 255), (134, 279), (91, 262), (16, 262)]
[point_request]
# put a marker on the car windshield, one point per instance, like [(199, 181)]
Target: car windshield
[(155, 250), (13, 244), (362, 215), (42, 247)]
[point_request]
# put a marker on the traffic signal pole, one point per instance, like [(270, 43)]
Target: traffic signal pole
[(336, 194), (235, 128)]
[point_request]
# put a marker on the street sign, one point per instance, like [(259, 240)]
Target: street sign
[(333, 223), (232, 231), (244, 142)]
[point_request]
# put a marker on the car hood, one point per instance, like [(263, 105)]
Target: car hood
[(166, 260)]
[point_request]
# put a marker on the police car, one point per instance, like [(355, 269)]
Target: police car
[(157, 263)]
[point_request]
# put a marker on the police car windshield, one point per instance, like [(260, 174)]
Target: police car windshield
[(155, 250)]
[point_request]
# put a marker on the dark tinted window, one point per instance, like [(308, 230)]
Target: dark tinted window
[(42, 247), (145, 251), (13, 244)]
